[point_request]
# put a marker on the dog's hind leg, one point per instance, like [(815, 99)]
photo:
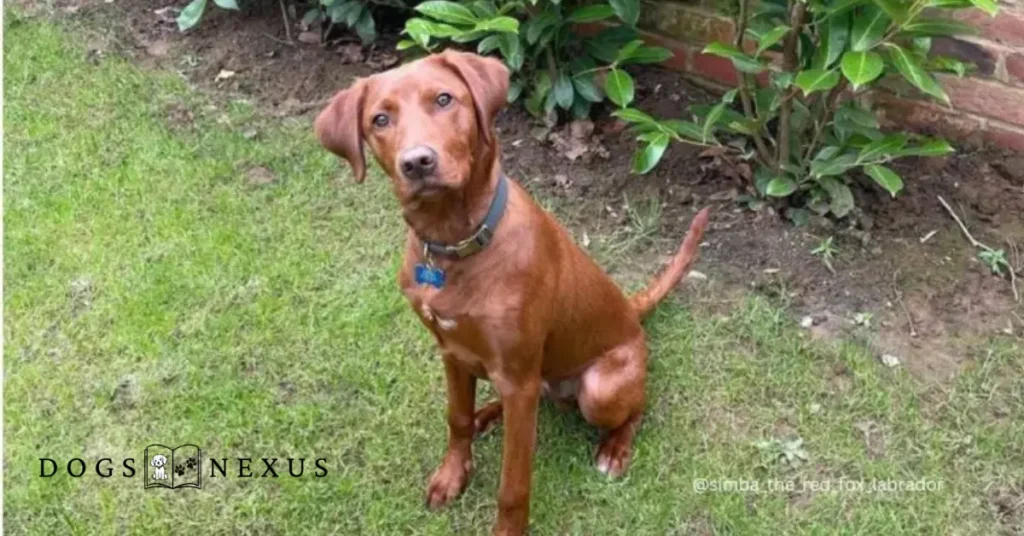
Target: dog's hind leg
[(612, 398)]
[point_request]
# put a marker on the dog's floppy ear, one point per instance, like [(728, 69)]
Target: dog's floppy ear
[(339, 130), (487, 80)]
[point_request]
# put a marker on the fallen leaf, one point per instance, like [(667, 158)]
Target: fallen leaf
[(382, 60), (310, 38), (890, 360), (351, 53), (224, 74)]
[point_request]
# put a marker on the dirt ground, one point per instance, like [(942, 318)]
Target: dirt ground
[(904, 261)]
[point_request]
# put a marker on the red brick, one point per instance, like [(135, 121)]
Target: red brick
[(1015, 67), (679, 51), (1009, 137), (714, 67), (924, 116), (1007, 27), (990, 99)]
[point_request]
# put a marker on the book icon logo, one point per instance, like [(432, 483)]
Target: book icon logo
[(178, 467)]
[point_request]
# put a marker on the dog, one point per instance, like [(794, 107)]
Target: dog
[(500, 284), (158, 462)]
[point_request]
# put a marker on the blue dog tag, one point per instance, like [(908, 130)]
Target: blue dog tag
[(429, 275)]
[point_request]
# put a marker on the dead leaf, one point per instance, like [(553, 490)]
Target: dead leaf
[(351, 53), (309, 38), (382, 60), (224, 74), (613, 126), (713, 152)]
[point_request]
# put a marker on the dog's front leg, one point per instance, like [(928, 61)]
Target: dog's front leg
[(451, 477), (519, 401)]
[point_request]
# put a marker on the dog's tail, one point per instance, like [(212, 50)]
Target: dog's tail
[(644, 301)]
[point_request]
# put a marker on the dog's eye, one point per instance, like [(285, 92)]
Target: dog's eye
[(381, 120), (444, 100)]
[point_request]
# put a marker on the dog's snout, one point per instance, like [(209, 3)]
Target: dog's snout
[(418, 162)]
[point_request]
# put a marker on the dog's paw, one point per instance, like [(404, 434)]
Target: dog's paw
[(487, 418), (613, 456), (448, 481)]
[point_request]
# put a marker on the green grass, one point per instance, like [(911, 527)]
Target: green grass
[(154, 295)]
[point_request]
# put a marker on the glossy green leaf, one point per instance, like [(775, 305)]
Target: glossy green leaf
[(711, 120), (930, 26), (645, 159), (840, 198), (780, 187), (945, 63), (882, 148), (515, 89), (835, 166), (836, 36), (647, 54), (816, 80), (988, 6), (564, 92), (190, 16), (498, 24), (897, 10), (365, 27), (488, 44), (771, 38), (227, 4), (743, 62), (449, 12), (586, 88), (862, 67), (632, 115), (619, 87), (931, 147), (839, 7), (868, 28), (627, 10), (909, 67), (885, 177), (404, 44), (591, 13)]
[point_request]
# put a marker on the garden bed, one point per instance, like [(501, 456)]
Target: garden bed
[(905, 263)]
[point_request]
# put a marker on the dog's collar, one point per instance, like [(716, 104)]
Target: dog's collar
[(483, 234)]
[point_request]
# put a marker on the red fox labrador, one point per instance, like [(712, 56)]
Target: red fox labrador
[(499, 283)]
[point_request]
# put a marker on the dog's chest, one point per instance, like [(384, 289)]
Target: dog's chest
[(456, 324)]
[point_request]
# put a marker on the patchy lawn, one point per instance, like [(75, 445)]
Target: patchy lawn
[(218, 281)]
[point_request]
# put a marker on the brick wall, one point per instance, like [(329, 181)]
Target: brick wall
[(988, 105)]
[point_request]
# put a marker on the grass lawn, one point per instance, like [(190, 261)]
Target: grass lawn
[(156, 293)]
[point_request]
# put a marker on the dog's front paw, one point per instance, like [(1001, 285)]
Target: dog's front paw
[(448, 481)]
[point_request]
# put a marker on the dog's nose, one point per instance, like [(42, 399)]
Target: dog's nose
[(418, 162)]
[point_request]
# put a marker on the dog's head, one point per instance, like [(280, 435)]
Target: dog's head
[(429, 123), (158, 461)]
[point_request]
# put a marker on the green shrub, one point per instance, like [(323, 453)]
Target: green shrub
[(806, 128), (354, 14), (190, 16), (551, 63)]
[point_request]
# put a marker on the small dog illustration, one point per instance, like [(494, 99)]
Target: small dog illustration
[(158, 462)]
